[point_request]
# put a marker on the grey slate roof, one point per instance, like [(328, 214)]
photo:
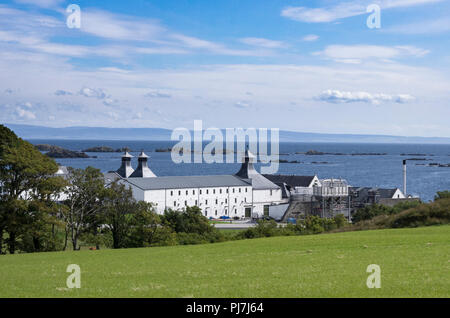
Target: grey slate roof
[(363, 192), (247, 171), (181, 182), (142, 171), (291, 180)]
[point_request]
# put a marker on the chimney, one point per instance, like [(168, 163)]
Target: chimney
[(125, 169), (404, 177), (143, 171)]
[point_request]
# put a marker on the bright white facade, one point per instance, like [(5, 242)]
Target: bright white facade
[(246, 194)]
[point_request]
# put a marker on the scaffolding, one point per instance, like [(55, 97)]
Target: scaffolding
[(332, 196)]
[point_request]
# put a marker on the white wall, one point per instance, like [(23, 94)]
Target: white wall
[(214, 201)]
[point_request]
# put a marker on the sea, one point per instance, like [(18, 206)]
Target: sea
[(362, 165)]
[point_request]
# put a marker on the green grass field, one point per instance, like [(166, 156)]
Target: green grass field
[(414, 263)]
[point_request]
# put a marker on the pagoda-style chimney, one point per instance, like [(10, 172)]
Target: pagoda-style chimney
[(143, 171), (125, 169), (404, 178), (247, 168)]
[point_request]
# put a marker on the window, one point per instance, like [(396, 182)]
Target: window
[(200, 191), (185, 203), (226, 201), (235, 200), (193, 192), (187, 192), (206, 213), (239, 190), (266, 210), (227, 190), (217, 201), (207, 191), (206, 201), (233, 190), (226, 212), (235, 211), (220, 191), (246, 190), (179, 192), (216, 212), (171, 193), (214, 191), (195, 202), (270, 192), (174, 203)]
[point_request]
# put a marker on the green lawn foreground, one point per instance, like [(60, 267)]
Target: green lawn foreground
[(414, 263)]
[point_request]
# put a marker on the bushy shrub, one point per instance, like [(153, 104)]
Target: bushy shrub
[(191, 227), (434, 213)]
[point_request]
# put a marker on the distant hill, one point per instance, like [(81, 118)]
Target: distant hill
[(102, 133)]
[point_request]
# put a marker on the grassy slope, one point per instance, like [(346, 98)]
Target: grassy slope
[(414, 263)]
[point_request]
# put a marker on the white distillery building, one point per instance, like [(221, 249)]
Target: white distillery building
[(245, 194)]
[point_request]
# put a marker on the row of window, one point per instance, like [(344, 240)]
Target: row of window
[(206, 201), (207, 191), (226, 212)]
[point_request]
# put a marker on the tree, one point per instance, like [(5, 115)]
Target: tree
[(442, 195), (83, 202), (23, 172), (118, 206), (190, 220), (147, 229), (370, 212)]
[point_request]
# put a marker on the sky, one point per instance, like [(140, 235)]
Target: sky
[(312, 66)]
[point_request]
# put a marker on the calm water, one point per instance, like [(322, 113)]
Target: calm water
[(374, 171)]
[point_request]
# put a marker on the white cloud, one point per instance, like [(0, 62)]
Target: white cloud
[(41, 3), (345, 9), (354, 54), (438, 25), (157, 94), (91, 92), (25, 114), (310, 38), (110, 101), (336, 97), (242, 104), (120, 27), (265, 43)]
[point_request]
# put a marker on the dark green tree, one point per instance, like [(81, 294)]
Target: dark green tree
[(83, 201), (23, 172), (118, 207), (442, 195)]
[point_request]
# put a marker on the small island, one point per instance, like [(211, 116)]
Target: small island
[(59, 152), (106, 149)]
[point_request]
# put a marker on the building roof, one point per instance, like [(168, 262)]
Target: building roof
[(62, 171), (142, 171), (247, 171), (181, 182), (291, 180), (363, 192)]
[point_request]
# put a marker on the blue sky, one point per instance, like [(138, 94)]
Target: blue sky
[(295, 65)]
